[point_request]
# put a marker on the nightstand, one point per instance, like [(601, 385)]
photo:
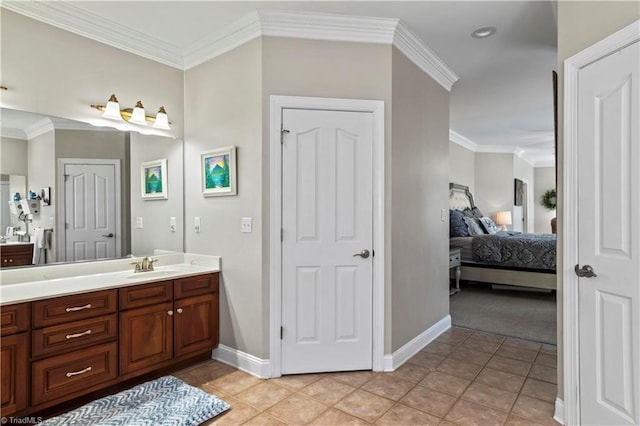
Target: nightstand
[(454, 262)]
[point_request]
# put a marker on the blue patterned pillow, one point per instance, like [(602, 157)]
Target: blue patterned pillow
[(488, 225), (477, 213), (457, 226), (474, 226)]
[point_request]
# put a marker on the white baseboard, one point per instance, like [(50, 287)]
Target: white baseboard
[(402, 355), (242, 361), (558, 415)]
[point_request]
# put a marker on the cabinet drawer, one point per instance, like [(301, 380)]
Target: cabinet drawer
[(74, 335), (67, 376), (146, 294), (14, 318), (71, 308), (197, 285)]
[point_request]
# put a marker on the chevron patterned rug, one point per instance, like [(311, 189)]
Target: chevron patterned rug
[(165, 401)]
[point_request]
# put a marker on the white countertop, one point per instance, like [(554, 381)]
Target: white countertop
[(41, 282)]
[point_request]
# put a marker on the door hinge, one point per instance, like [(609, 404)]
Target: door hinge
[(282, 132), (66, 177), (281, 332)]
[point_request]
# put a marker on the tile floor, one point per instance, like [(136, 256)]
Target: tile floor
[(464, 377)]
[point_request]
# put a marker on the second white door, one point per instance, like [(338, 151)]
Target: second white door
[(327, 219), (91, 211)]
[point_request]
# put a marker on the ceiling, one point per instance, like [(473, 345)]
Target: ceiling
[(502, 102)]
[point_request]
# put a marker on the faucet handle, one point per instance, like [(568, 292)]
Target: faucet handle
[(150, 262)]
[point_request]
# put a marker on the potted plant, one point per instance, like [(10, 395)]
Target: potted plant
[(549, 201)]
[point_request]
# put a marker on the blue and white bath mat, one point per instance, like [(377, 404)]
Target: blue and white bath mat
[(164, 401)]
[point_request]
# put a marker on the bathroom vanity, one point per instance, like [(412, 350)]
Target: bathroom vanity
[(103, 330), (15, 254)]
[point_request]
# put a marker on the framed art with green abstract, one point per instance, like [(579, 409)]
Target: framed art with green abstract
[(154, 179), (219, 172)]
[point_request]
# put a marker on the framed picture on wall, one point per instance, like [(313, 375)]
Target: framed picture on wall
[(153, 177), (518, 192), (219, 172)]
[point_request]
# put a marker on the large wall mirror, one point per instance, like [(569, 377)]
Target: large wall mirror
[(101, 193)]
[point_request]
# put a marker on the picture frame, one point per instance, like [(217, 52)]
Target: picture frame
[(518, 192), (218, 171), (45, 196), (153, 180)]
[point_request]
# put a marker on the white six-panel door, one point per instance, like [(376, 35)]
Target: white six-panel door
[(90, 211), (608, 145), (327, 218)]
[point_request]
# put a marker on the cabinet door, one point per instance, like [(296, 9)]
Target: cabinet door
[(13, 364), (146, 337), (196, 324)]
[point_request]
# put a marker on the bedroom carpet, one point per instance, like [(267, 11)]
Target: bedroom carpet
[(515, 313)]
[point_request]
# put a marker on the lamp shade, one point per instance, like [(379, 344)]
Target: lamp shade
[(503, 218), (112, 110), (162, 120), (138, 115)]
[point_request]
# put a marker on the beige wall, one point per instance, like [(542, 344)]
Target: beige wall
[(580, 24), (223, 107), (54, 72), (156, 214), (545, 179), (13, 156), (494, 183), (419, 190), (462, 166)]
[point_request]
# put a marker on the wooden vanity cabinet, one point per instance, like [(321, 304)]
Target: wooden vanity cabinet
[(14, 358), (74, 346), (58, 349), (162, 323), (16, 255)]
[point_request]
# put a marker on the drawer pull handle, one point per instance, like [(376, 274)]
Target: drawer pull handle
[(75, 373), (73, 336), (79, 308), (179, 310)]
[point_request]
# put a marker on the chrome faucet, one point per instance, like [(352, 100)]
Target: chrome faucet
[(144, 265)]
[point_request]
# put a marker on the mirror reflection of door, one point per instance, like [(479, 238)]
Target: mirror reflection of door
[(91, 209)]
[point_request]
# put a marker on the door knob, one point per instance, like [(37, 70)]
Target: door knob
[(109, 235), (586, 271), (363, 254)]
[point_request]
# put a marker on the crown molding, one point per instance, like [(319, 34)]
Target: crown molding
[(462, 141), (420, 54), (11, 133), (321, 26), (533, 158), (233, 35), (39, 128), (316, 26), (65, 15)]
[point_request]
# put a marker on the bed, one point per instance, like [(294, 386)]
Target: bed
[(497, 258)]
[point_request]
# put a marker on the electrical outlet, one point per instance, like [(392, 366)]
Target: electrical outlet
[(139, 222), (246, 224), (172, 224), (196, 224)]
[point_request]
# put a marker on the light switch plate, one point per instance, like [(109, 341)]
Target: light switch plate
[(246, 224), (196, 224), (139, 222), (443, 215), (172, 224)]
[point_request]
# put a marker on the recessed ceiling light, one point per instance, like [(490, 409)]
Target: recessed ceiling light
[(483, 32)]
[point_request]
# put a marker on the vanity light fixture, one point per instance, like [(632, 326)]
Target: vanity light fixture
[(136, 115)]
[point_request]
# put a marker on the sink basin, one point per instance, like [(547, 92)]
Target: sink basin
[(153, 274)]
